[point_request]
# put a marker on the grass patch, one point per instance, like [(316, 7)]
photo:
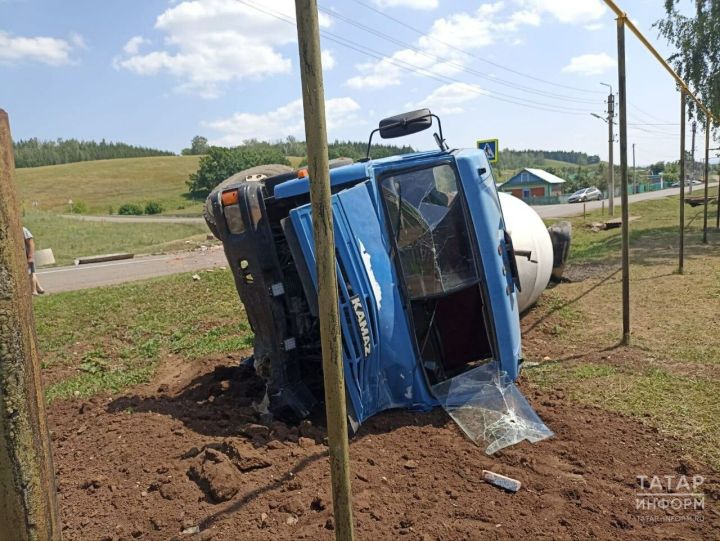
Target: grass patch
[(685, 409), (70, 238), (102, 184), (105, 339), (658, 225)]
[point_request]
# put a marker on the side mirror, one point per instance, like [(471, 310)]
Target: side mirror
[(405, 124)]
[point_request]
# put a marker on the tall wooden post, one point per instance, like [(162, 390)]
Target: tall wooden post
[(681, 261), (707, 179), (28, 506), (318, 168), (624, 181)]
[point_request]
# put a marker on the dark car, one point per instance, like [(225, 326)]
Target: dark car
[(586, 194)]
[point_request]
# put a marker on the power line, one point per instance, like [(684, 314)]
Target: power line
[(450, 62), (407, 66), (481, 59)]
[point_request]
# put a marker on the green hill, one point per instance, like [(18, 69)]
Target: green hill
[(105, 184)]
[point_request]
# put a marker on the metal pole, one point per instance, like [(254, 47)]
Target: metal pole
[(707, 179), (322, 218), (624, 182), (692, 159), (611, 172), (28, 504), (634, 172), (681, 261)]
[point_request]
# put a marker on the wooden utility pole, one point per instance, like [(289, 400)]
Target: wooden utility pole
[(707, 179), (28, 506), (322, 218), (624, 181), (681, 261)]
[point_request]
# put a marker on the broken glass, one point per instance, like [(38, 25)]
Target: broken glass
[(430, 230), (490, 409)]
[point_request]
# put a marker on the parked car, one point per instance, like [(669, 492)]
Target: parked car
[(586, 194), (688, 182)]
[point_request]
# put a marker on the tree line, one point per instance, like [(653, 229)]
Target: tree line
[(518, 159), (35, 152)]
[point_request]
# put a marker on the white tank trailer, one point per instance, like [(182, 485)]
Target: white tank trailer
[(540, 251)]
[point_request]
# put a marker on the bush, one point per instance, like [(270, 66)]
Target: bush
[(78, 207), (153, 207), (221, 163), (130, 209)]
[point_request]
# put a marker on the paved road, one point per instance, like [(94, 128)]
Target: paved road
[(573, 209), (138, 219), (115, 272)]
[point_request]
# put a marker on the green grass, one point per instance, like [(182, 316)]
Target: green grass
[(103, 184), (683, 408), (657, 224), (71, 238), (106, 339)]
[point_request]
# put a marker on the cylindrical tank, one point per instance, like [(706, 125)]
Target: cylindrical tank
[(533, 248)]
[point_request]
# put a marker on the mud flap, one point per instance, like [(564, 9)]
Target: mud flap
[(490, 409)]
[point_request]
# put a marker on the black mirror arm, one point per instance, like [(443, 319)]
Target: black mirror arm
[(367, 154), (441, 142)]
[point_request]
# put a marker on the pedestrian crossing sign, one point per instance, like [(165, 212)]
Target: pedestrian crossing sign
[(490, 146)]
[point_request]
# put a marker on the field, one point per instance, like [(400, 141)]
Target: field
[(70, 239), (104, 185), (153, 394)]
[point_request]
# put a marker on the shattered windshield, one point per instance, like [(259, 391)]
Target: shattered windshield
[(429, 225)]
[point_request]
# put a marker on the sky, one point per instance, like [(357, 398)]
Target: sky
[(157, 72)]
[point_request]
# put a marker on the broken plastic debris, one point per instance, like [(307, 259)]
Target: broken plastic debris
[(489, 408), (502, 481)]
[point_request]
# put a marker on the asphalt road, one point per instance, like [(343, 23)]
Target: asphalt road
[(573, 209), (75, 277)]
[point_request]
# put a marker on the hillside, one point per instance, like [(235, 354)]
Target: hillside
[(106, 184)]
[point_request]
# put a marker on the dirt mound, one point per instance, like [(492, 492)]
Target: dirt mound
[(190, 454)]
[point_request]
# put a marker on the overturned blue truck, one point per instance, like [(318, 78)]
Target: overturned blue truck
[(428, 277)]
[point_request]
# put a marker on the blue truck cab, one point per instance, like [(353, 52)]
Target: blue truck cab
[(426, 274)]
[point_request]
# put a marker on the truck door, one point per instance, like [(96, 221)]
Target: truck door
[(381, 371)]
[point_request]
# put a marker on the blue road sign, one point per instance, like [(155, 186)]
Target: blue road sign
[(490, 146)]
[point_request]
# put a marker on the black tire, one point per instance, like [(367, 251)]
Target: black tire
[(267, 171)]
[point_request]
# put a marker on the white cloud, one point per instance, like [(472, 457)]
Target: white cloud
[(51, 51), (210, 43), (328, 60), (449, 99), (593, 27), (281, 122), (133, 45), (590, 64), (568, 11), (447, 37), (414, 4)]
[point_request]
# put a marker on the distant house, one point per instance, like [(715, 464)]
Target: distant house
[(533, 183)]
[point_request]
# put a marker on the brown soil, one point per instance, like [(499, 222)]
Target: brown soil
[(188, 451)]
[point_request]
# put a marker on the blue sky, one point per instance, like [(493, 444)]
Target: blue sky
[(158, 72)]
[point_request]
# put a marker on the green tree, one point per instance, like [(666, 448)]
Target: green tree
[(697, 42), (220, 163), (198, 145)]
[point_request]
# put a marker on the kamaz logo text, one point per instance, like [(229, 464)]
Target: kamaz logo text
[(362, 324)]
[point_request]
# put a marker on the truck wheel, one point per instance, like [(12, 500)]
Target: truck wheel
[(257, 173)]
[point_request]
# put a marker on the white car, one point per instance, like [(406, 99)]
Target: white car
[(586, 194)]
